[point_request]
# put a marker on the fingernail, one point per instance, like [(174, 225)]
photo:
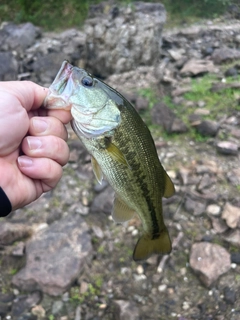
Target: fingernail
[(24, 161), (34, 143), (40, 125)]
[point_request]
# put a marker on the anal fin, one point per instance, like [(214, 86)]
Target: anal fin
[(121, 211)]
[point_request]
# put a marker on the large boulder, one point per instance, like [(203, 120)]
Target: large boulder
[(121, 38)]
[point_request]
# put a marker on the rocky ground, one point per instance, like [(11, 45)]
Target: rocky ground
[(63, 257)]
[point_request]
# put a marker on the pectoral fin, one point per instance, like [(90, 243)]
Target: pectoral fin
[(169, 186), (116, 154), (97, 170), (121, 211)]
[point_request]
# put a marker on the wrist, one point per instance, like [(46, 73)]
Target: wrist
[(5, 204)]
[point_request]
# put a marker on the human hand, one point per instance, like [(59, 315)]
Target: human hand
[(33, 145)]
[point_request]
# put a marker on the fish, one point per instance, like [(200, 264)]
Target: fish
[(122, 151)]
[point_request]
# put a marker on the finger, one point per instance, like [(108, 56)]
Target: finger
[(63, 115), (48, 171), (30, 94), (44, 126), (50, 147)]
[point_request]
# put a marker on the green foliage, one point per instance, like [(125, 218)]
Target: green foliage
[(52, 15)]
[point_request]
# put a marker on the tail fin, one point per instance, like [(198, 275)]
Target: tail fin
[(146, 246)]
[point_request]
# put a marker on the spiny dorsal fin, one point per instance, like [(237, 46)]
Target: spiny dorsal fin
[(169, 189), (121, 211), (97, 170)]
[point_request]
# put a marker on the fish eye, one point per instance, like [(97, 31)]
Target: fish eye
[(87, 81)]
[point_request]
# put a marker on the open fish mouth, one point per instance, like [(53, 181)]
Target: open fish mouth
[(61, 89)]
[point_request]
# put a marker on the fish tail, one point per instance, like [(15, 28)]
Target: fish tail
[(146, 246)]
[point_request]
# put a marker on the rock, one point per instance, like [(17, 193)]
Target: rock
[(232, 215), (227, 147), (127, 310), (4, 309), (47, 66), (117, 44), (57, 307), (39, 312), (11, 232), (229, 295), (18, 37), (165, 117), (141, 104), (207, 128), (213, 209), (103, 202), (225, 54), (210, 261), (219, 86), (234, 176), (235, 257), (24, 303), (18, 249), (54, 260), (233, 236), (218, 225), (8, 66), (194, 207), (205, 182), (196, 66), (180, 91), (231, 72)]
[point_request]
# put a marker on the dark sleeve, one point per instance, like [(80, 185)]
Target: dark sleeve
[(5, 204)]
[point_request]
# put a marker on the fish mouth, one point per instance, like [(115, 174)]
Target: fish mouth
[(61, 89)]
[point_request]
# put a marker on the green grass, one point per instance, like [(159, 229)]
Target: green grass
[(218, 104)]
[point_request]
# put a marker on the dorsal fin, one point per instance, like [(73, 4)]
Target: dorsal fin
[(169, 189)]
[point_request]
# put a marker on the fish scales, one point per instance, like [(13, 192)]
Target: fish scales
[(122, 150)]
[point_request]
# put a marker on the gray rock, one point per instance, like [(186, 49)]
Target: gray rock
[(229, 295), (227, 147), (195, 207), (233, 236), (165, 117), (119, 43), (141, 104), (235, 257), (11, 232), (55, 257), (46, 67), (24, 303), (231, 72), (18, 37), (225, 55), (8, 66), (57, 307), (207, 128), (231, 215), (103, 202), (196, 66), (127, 310), (219, 225), (210, 261)]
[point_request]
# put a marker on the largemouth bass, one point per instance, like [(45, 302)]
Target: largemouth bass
[(122, 150)]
